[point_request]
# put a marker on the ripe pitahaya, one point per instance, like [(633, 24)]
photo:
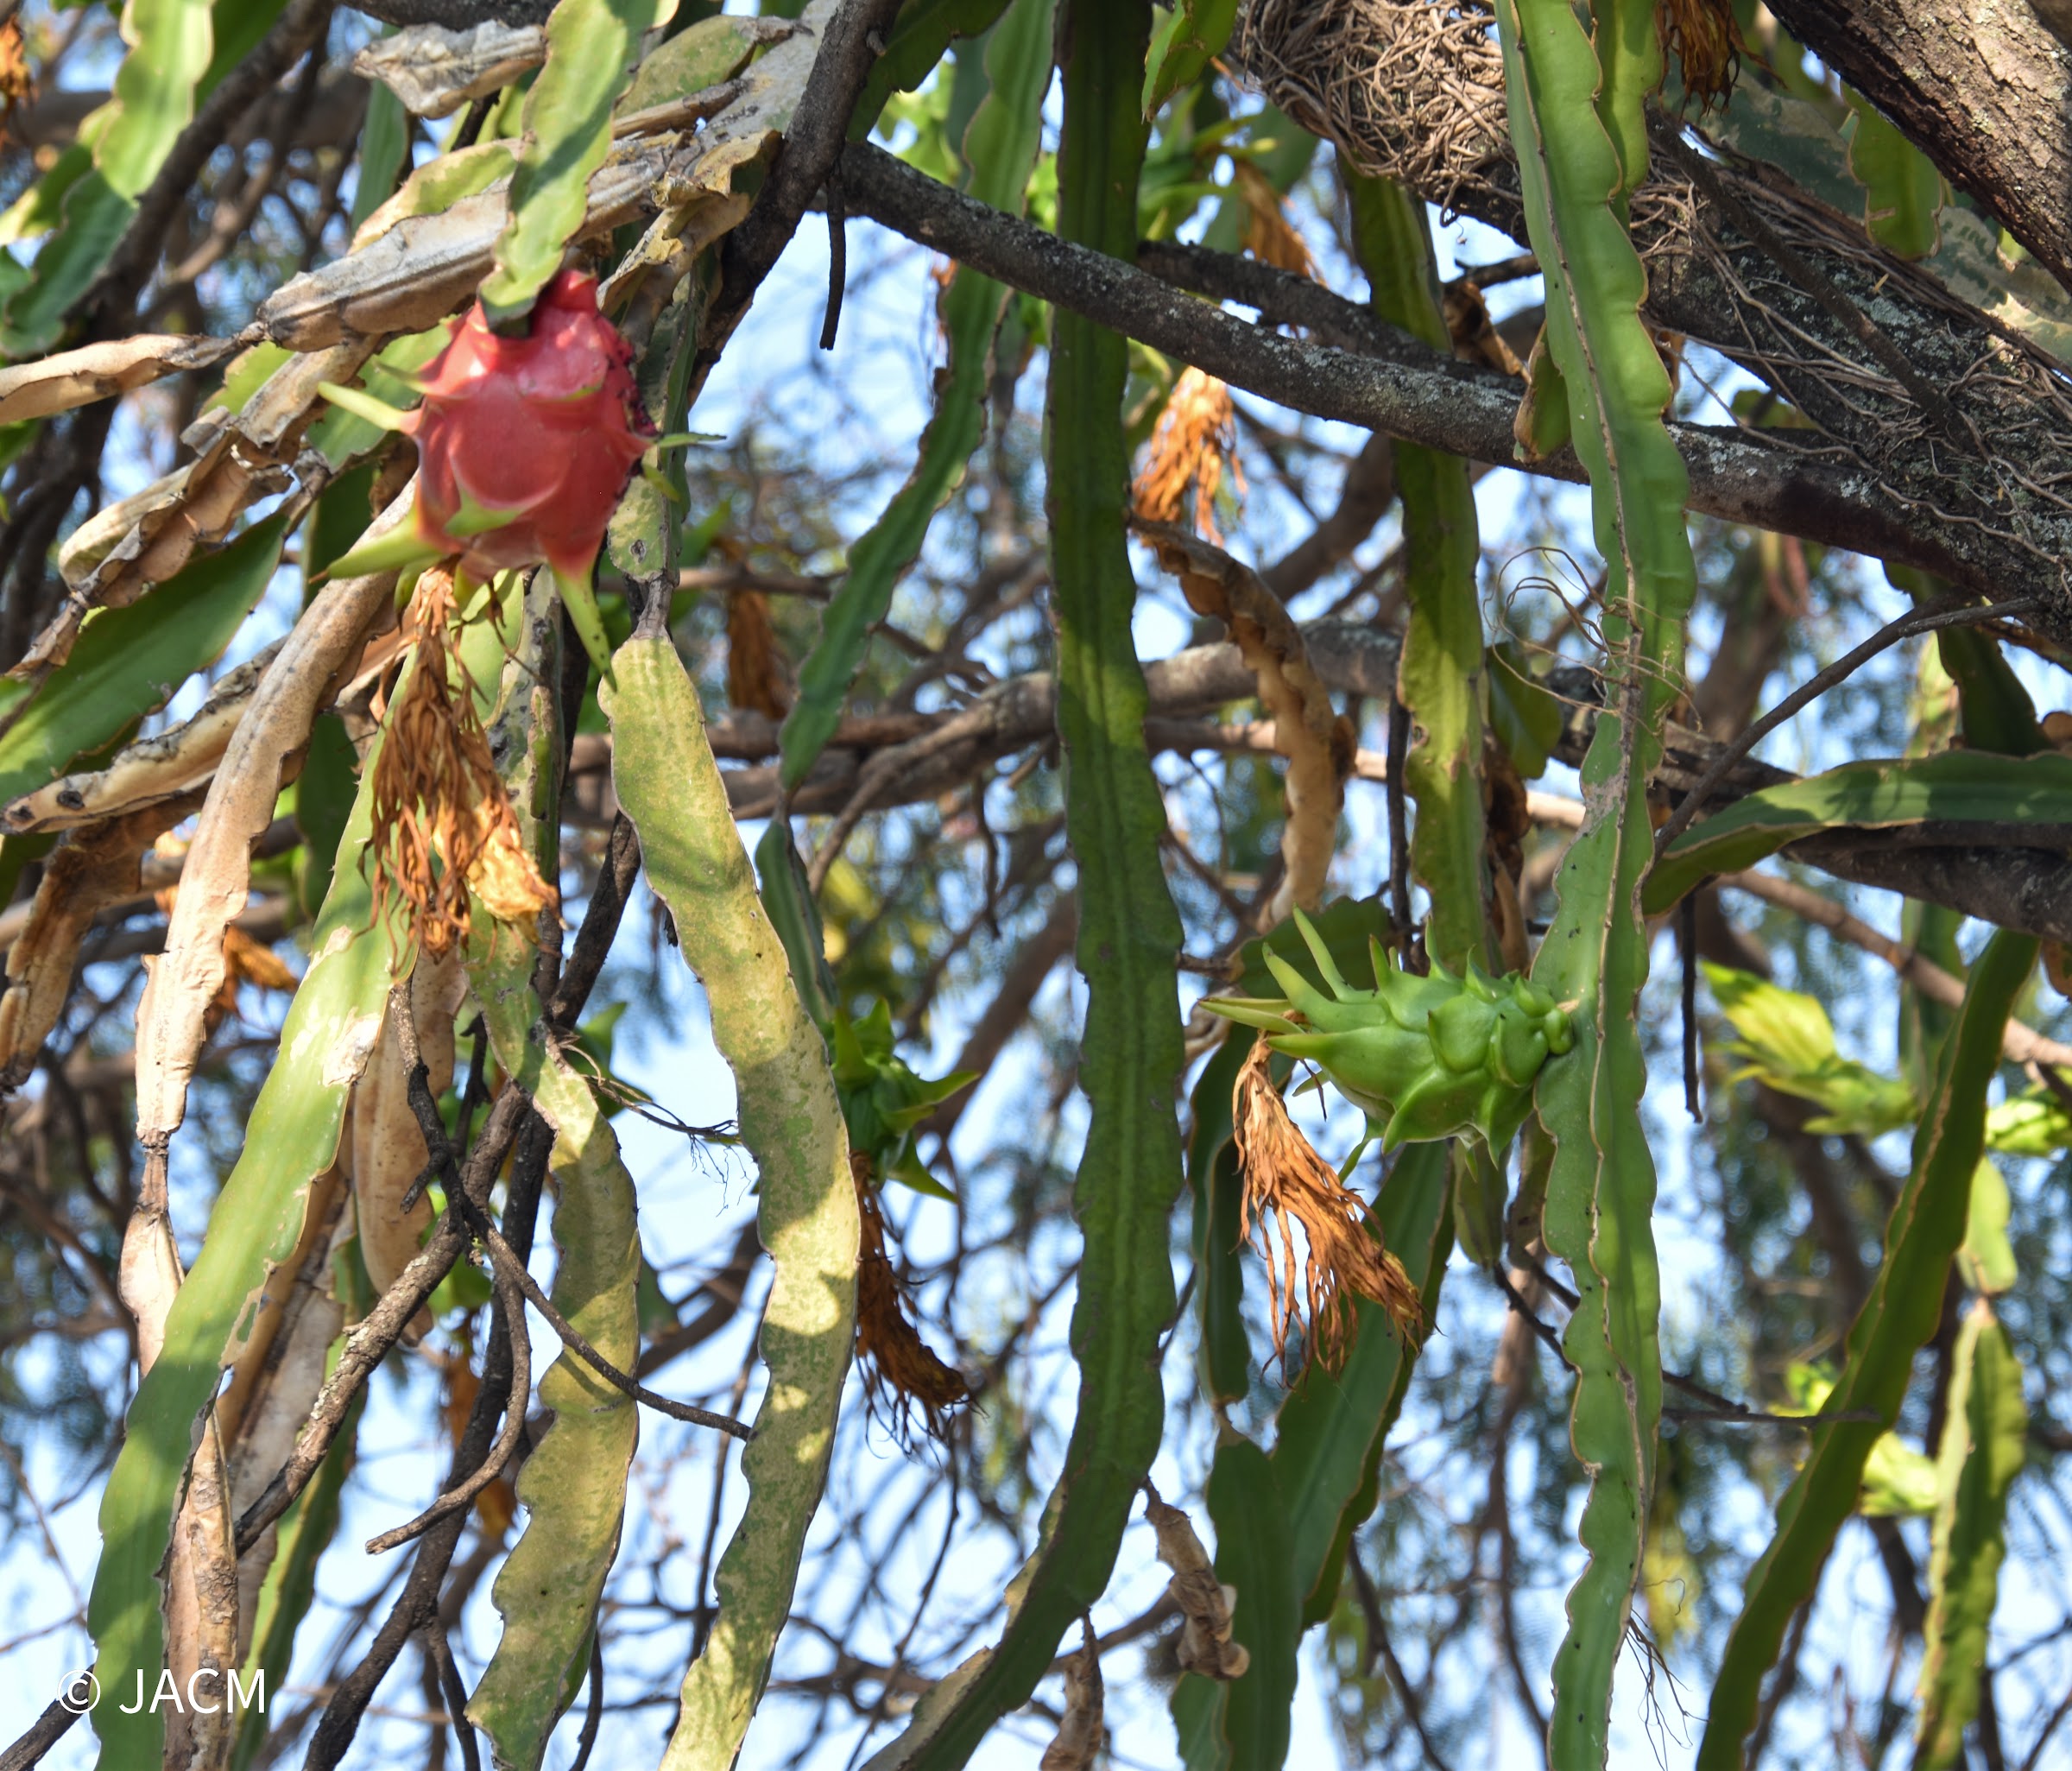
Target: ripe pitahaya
[(525, 447)]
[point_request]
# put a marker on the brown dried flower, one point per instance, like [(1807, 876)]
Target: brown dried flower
[(1707, 42), (1286, 1183), (901, 1370), (442, 820), (1193, 438)]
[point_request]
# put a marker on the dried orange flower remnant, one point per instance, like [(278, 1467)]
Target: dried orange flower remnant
[(895, 1357), (1287, 1183), (442, 820), (1193, 438)]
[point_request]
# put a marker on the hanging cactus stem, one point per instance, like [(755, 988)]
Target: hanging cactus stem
[(1425, 1057)]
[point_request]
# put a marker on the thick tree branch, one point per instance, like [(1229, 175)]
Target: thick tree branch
[(1985, 89), (1422, 396)]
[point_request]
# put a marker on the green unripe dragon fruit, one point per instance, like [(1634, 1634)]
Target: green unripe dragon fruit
[(1425, 1058)]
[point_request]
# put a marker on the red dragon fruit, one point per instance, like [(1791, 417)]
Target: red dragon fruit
[(525, 447)]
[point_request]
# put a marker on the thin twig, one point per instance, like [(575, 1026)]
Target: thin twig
[(425, 1105), (455, 1693), (369, 1345), (593, 1715), (463, 1495), (1399, 823), (837, 257), (1905, 627), (1687, 941), (44, 1733)]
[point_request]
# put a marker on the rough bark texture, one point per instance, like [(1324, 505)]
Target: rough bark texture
[(1984, 87)]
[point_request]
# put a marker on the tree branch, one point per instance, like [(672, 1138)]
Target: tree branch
[(1423, 397), (1985, 92)]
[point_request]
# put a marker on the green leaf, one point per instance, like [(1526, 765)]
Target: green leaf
[(1988, 1257), (1193, 35), (667, 781), (129, 662), (1132, 1055), (170, 44), (1217, 1190), (573, 1482), (291, 1138), (591, 46), (1525, 714), (1984, 1438), (1955, 787), (1251, 1728), (919, 39), (384, 146), (2031, 1124), (1903, 190), (706, 53), (440, 183), (1788, 1043), (1000, 148), (1928, 1225), (1322, 1477)]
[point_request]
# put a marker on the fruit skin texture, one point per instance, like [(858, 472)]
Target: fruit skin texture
[(1424, 1058), (525, 445)]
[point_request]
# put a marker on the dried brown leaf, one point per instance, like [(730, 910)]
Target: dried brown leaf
[(215, 880), (1269, 236), (87, 872), (1318, 743), (1081, 1731), (758, 673), (387, 1156), (1204, 1602), (444, 832), (1474, 336), (74, 378), (435, 70)]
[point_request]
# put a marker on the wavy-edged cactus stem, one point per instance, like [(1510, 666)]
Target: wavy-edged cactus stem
[(1424, 1058)]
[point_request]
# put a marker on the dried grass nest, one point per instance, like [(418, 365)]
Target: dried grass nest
[(1412, 90)]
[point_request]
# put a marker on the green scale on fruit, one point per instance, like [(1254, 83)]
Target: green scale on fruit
[(1423, 1057)]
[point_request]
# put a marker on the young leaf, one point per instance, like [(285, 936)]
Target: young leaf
[(1929, 1223)]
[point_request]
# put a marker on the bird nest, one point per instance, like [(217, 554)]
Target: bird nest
[(1410, 90), (1413, 90)]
